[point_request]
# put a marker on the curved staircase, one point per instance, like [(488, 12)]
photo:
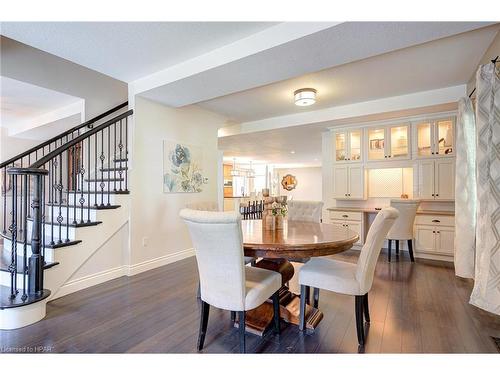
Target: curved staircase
[(60, 202)]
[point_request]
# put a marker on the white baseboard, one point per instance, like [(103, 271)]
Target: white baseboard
[(91, 280), (147, 265)]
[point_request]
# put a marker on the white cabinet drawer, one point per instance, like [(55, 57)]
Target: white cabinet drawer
[(435, 220), (345, 215)]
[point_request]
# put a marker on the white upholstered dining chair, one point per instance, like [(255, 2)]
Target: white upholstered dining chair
[(403, 226), (348, 278), (226, 282), (305, 211)]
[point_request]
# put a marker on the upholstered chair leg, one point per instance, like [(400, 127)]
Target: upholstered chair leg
[(389, 243), (360, 329), (316, 297), (276, 308), (205, 309), (233, 316), (241, 323), (397, 247), (253, 263), (366, 309), (302, 313), (308, 294), (198, 291), (410, 250)]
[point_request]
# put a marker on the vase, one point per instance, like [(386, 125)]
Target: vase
[(269, 222)]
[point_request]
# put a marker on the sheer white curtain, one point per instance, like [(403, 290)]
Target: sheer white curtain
[(465, 190), (486, 292)]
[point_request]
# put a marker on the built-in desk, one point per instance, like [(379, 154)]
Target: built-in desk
[(434, 230)]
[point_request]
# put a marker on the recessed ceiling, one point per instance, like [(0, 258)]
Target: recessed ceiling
[(24, 104), (129, 50), (442, 63), (276, 146)]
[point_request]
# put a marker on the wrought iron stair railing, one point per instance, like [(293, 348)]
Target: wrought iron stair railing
[(54, 187)]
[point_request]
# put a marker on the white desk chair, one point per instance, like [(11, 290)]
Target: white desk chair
[(403, 227), (348, 278), (225, 281)]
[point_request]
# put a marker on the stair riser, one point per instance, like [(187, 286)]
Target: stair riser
[(92, 186), (75, 199), (71, 213), (49, 253), (71, 231)]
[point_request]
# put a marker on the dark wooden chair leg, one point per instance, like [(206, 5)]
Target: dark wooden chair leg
[(366, 308), (302, 313), (276, 308), (360, 329), (316, 297), (308, 294), (205, 309), (198, 291), (410, 250), (389, 242), (233, 316), (397, 247), (241, 323)]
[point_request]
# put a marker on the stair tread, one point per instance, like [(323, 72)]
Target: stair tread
[(104, 179), (5, 261), (78, 223), (6, 302), (113, 169), (105, 192), (48, 239), (98, 207)]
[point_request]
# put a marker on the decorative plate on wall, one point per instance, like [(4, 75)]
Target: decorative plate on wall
[(289, 182)]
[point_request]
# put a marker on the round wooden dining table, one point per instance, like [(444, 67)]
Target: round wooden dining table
[(297, 241)]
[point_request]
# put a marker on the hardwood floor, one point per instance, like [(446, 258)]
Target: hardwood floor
[(414, 308)]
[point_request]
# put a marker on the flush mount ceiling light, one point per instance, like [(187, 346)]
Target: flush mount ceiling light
[(305, 97)]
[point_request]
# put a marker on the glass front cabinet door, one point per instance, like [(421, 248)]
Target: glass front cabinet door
[(347, 145), (435, 138), (389, 142)]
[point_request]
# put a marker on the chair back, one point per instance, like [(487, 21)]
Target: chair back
[(305, 211), (403, 227), (203, 206), (218, 242), (372, 247)]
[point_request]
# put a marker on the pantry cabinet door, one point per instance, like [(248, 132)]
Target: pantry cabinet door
[(340, 182), (356, 182), (426, 179), (445, 240), (444, 179)]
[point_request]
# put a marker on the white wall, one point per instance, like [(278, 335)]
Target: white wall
[(309, 183), (24, 63), (492, 52), (154, 214)]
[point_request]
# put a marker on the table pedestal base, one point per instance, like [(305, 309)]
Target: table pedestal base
[(258, 319)]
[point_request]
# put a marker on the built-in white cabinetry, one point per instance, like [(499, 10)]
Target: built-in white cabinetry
[(436, 179), (388, 142), (349, 182), (435, 234), (350, 220), (347, 145), (434, 138)]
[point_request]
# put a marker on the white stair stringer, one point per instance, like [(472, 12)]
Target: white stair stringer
[(71, 258)]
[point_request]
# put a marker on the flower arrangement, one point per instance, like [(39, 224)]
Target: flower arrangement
[(279, 209)]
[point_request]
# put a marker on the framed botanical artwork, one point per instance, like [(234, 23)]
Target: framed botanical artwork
[(182, 171)]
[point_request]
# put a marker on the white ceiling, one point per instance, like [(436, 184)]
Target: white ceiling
[(129, 50), (23, 104), (440, 63)]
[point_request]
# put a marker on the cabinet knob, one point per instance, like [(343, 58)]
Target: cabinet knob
[(437, 153), (432, 194), (437, 232), (433, 231), (436, 221), (437, 195), (345, 215), (432, 153), (389, 156)]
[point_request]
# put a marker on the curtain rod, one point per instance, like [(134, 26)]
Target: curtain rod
[(494, 61)]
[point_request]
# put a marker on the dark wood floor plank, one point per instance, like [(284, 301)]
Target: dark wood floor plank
[(416, 307)]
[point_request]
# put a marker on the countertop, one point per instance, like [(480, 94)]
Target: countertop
[(373, 210)]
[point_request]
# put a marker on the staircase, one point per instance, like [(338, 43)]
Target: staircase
[(60, 202)]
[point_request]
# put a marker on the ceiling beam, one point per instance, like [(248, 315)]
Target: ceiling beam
[(395, 103)]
